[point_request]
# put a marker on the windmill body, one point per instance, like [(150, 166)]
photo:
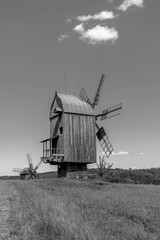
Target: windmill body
[(72, 143), (73, 131)]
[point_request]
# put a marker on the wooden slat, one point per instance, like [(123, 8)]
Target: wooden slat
[(78, 139)]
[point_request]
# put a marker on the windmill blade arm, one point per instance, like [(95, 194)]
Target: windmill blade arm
[(110, 112), (104, 141), (17, 170), (97, 95), (84, 97), (38, 165), (30, 160)]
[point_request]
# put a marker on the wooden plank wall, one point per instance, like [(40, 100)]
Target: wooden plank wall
[(79, 138)]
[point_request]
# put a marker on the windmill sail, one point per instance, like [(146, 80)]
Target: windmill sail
[(104, 141), (38, 165), (30, 161), (84, 97), (110, 112), (30, 172), (18, 170), (96, 98)]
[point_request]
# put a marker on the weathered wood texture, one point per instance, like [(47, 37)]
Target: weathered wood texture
[(79, 138), (75, 128)]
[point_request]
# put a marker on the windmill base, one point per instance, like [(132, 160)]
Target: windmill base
[(22, 176), (63, 168)]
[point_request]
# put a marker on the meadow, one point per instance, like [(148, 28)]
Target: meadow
[(73, 209)]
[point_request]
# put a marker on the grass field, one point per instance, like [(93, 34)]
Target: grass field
[(67, 209)]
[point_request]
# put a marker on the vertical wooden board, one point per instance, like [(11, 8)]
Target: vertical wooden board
[(82, 138), (74, 149), (52, 126), (71, 133), (87, 134), (65, 136), (79, 139), (76, 139), (94, 140), (61, 136), (68, 140), (81, 130), (88, 139), (85, 138), (91, 139)]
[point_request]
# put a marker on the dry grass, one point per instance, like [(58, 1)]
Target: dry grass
[(66, 209)]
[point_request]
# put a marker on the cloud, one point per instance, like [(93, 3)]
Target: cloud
[(68, 20), (79, 28), (62, 37), (96, 35), (120, 153), (141, 153), (129, 3), (104, 15)]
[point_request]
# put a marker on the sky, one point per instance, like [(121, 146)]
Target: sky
[(48, 46)]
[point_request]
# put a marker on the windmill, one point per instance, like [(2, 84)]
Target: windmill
[(73, 131), (30, 172), (105, 114)]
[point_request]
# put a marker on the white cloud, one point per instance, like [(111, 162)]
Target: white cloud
[(62, 37), (96, 35), (68, 20), (129, 3), (141, 153), (120, 153), (79, 28), (98, 16)]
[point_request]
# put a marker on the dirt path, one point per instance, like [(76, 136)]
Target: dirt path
[(4, 209)]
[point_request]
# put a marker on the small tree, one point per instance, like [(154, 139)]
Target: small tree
[(103, 166)]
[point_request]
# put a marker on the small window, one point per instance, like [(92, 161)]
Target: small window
[(61, 130)]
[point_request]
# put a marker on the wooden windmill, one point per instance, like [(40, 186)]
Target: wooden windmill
[(30, 172), (73, 124)]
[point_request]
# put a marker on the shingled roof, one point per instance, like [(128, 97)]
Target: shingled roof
[(70, 103)]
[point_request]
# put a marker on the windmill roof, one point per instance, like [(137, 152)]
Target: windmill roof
[(72, 104)]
